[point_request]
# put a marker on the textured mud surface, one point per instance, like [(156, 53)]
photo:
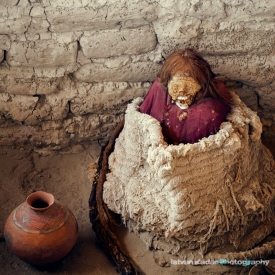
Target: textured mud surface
[(66, 177)]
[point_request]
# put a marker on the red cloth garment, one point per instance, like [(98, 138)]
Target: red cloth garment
[(186, 126)]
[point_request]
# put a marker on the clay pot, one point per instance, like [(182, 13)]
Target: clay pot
[(41, 230)]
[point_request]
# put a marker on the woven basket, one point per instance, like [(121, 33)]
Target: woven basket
[(192, 199)]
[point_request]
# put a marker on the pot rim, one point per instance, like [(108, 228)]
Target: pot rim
[(41, 196)]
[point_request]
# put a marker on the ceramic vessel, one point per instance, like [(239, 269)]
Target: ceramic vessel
[(41, 230)]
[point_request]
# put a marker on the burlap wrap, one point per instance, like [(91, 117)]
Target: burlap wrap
[(218, 192)]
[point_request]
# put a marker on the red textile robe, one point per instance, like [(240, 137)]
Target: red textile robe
[(186, 126)]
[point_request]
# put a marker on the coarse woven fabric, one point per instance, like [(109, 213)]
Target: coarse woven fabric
[(200, 196)]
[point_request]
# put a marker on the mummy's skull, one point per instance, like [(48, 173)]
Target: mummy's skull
[(183, 90)]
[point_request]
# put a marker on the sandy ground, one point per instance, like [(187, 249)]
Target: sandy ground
[(66, 177)]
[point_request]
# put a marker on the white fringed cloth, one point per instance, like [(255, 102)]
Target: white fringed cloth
[(192, 199)]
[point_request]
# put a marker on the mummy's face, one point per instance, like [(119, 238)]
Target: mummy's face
[(183, 90)]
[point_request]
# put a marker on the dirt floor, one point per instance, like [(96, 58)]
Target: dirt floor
[(66, 177)]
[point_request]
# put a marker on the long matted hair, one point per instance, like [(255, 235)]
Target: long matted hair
[(189, 62)]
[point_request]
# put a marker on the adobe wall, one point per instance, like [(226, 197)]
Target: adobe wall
[(68, 68)]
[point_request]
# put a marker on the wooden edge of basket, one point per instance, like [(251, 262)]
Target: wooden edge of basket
[(101, 217)]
